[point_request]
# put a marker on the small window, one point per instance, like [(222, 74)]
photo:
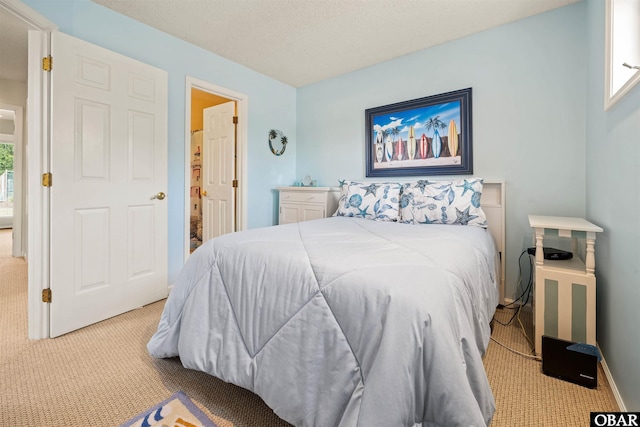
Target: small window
[(622, 66)]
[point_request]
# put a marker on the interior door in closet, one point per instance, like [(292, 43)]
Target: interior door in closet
[(218, 171)]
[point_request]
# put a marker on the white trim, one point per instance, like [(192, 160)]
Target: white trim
[(242, 104), (18, 176), (20, 187), (37, 156), (6, 137), (612, 383), (38, 196), (609, 98), (27, 15)]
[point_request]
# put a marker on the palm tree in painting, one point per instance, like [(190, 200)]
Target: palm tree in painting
[(395, 132), (436, 143)]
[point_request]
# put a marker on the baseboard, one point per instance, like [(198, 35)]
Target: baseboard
[(612, 383)]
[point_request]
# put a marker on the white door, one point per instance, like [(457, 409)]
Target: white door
[(108, 159), (218, 171)]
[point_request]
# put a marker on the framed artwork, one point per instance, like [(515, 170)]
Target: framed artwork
[(425, 136)]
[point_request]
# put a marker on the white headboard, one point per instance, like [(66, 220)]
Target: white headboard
[(493, 205)]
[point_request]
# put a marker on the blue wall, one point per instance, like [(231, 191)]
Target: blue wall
[(528, 80), (613, 201), (271, 105)]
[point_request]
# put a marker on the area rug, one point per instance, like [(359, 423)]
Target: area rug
[(176, 411)]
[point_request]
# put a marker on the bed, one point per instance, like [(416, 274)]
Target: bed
[(348, 320)]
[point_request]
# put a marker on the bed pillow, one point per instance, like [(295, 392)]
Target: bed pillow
[(370, 200), (443, 202)]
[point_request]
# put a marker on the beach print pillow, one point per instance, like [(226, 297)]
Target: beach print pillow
[(443, 202), (373, 200)]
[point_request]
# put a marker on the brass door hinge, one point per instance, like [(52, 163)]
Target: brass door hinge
[(47, 179), (234, 184), (47, 63), (235, 120), (46, 295)]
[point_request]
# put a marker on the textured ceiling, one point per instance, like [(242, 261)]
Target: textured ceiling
[(300, 42), (304, 41)]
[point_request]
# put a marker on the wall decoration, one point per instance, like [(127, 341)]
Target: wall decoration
[(425, 136), (279, 138)]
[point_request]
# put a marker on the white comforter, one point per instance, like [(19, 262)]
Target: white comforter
[(342, 321)]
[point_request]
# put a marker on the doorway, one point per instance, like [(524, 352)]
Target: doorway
[(12, 202), (7, 152), (200, 100), (201, 95)]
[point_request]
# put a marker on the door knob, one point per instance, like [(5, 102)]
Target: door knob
[(159, 196), (204, 193)]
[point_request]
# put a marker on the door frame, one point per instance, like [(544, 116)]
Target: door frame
[(242, 111), (37, 161), (17, 248)]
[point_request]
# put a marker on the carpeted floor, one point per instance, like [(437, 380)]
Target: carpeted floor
[(102, 375)]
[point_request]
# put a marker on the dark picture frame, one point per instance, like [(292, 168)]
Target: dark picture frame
[(405, 139)]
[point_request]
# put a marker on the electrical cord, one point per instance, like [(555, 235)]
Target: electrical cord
[(524, 296), (523, 300), (530, 356), (525, 291)]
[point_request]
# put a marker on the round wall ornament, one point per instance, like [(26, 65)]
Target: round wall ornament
[(277, 137)]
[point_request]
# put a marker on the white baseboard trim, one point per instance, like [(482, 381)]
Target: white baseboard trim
[(612, 383)]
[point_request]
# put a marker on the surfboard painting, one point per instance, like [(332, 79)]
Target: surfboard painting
[(411, 144), (436, 144), (425, 136), (424, 146), (453, 138), (379, 147), (388, 149)]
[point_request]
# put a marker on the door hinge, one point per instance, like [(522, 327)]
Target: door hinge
[(47, 63), (46, 295), (234, 184), (47, 179), (235, 120)]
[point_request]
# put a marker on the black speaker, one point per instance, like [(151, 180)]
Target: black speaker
[(569, 361)]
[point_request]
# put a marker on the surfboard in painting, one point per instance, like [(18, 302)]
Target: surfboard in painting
[(388, 149), (411, 144), (424, 146), (379, 147), (399, 150), (436, 144), (453, 138)]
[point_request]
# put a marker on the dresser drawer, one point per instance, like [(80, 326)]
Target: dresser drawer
[(302, 197), (306, 203)]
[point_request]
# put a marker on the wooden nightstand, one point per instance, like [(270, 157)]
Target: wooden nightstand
[(565, 291), (305, 203)]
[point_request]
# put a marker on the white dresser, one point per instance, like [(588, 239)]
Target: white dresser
[(565, 291), (305, 203)]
